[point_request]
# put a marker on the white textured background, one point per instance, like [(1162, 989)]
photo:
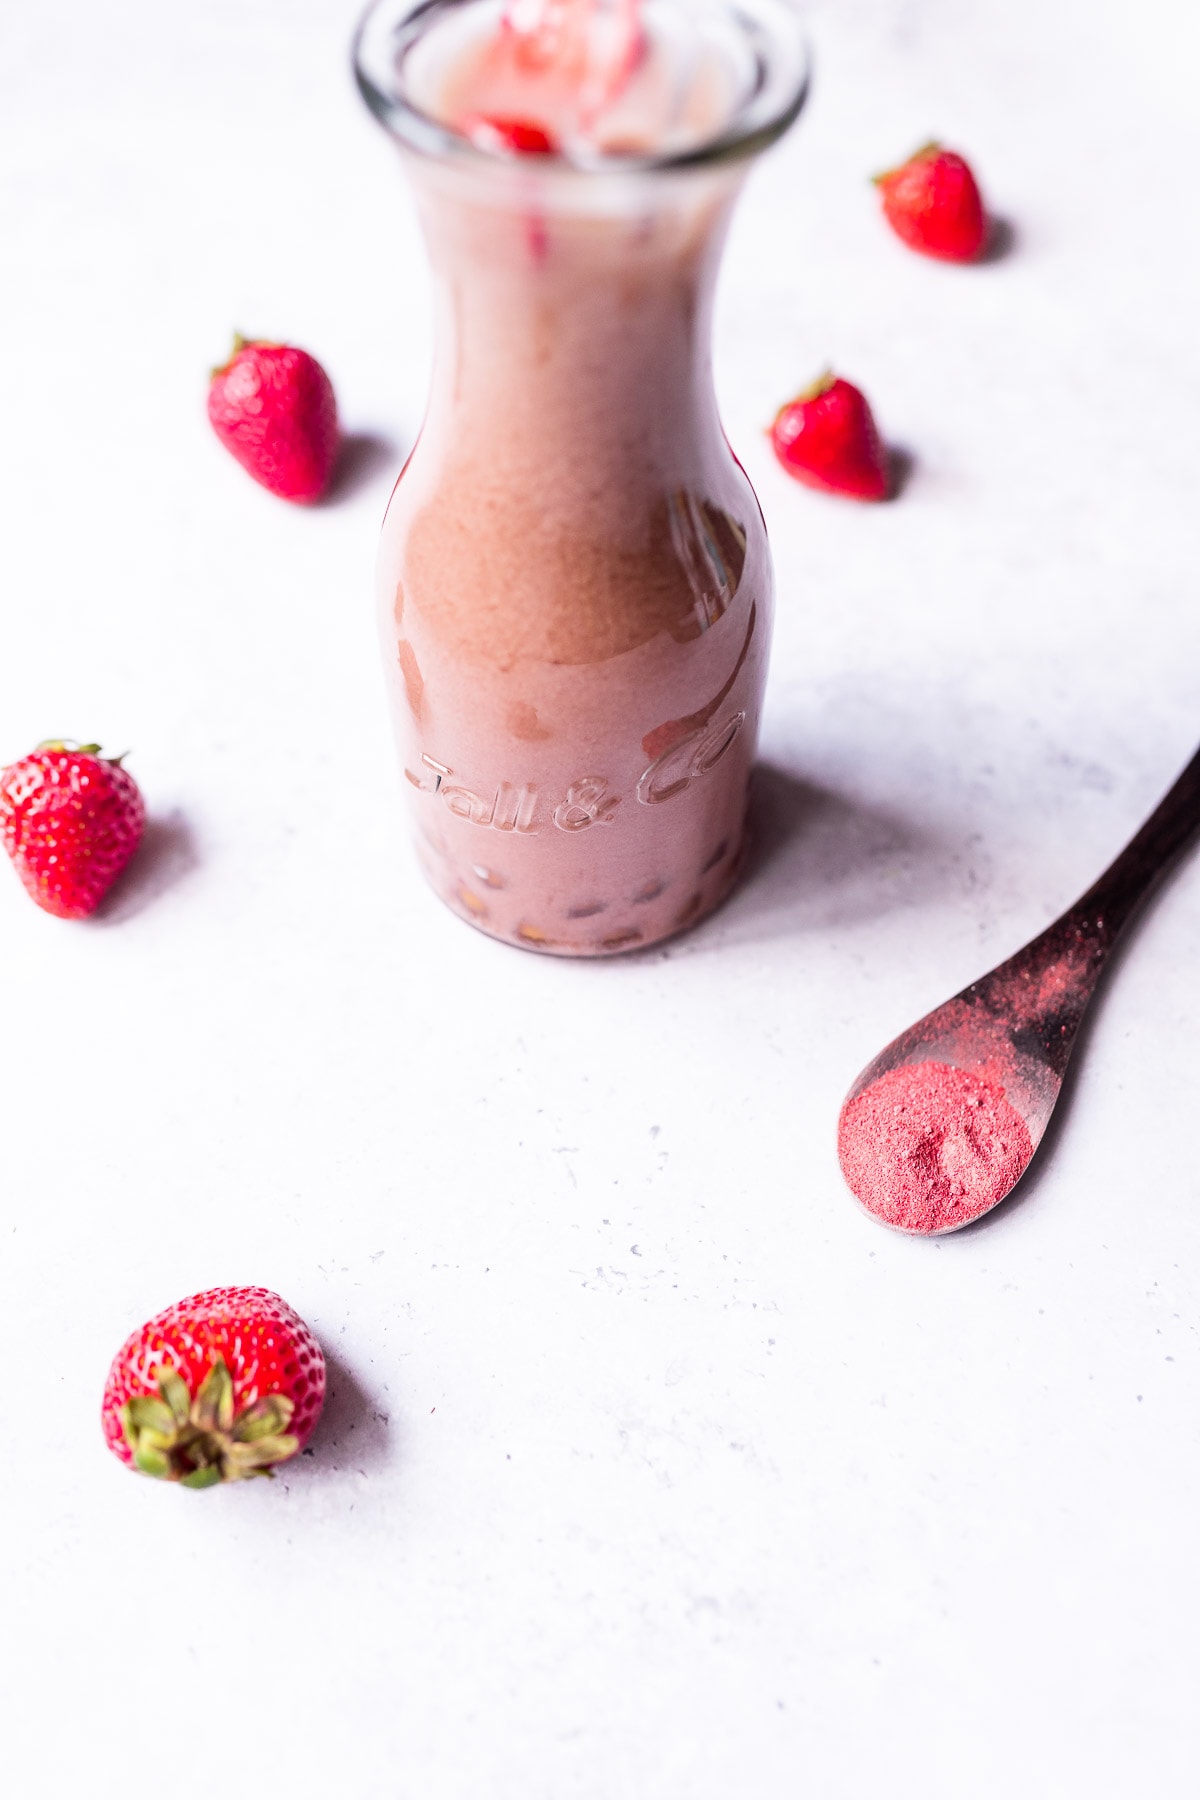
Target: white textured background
[(653, 1469)]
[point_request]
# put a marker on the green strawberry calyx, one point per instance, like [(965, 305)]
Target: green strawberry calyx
[(924, 154), (71, 747), (820, 386), (825, 380), (241, 343), (201, 1440)]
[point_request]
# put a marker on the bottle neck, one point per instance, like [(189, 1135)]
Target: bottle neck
[(577, 338)]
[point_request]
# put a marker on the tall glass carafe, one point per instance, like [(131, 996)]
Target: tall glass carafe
[(574, 578)]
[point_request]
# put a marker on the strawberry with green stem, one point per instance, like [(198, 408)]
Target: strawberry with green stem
[(827, 438), (932, 202), (70, 819), (222, 1386), (273, 408)]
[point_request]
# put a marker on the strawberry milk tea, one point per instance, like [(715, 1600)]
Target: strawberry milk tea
[(574, 577)]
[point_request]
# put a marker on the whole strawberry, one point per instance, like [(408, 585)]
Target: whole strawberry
[(70, 819), (219, 1387), (933, 202), (827, 438), (272, 406)]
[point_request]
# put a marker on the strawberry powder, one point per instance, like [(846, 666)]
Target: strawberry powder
[(928, 1147)]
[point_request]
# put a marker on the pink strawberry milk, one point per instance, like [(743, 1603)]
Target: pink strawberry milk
[(574, 579)]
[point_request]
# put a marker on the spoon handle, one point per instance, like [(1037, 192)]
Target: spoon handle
[(1110, 902)]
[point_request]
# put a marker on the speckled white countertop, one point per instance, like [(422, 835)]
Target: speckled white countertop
[(654, 1470)]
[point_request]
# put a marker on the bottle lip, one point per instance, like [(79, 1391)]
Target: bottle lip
[(389, 28)]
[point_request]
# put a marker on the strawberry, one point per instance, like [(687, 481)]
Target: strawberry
[(71, 819), (538, 26), (587, 49), (273, 408), (933, 202), (520, 136), (219, 1387), (827, 438)]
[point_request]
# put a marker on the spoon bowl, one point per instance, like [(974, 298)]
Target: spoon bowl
[(943, 1123)]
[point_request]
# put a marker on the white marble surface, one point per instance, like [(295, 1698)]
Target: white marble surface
[(653, 1468)]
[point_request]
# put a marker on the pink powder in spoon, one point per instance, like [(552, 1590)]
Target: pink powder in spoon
[(928, 1147)]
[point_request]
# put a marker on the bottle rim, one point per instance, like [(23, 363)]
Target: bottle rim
[(389, 29)]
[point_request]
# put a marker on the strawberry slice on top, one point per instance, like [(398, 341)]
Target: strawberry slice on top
[(594, 43), (550, 71), (521, 137)]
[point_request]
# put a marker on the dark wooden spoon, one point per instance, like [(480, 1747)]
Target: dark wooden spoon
[(1014, 1031)]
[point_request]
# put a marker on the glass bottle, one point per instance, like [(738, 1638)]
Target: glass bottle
[(574, 580)]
